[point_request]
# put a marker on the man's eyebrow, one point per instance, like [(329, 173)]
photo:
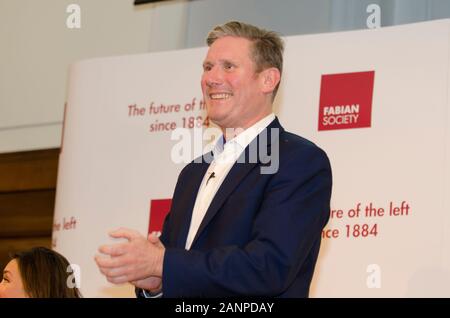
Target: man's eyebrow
[(221, 61)]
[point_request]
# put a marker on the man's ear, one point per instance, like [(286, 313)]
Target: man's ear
[(270, 78)]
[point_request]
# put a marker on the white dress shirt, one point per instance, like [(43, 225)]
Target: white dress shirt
[(225, 157)]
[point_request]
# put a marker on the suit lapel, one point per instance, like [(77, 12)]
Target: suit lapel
[(234, 177), (237, 173), (194, 177)]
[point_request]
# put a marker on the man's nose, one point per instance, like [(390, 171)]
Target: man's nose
[(214, 77)]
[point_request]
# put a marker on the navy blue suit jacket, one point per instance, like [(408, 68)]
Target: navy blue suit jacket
[(261, 234)]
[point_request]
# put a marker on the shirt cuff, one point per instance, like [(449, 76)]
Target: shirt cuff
[(148, 294)]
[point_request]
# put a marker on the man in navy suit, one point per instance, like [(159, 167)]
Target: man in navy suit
[(246, 219)]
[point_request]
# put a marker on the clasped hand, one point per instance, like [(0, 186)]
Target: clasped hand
[(138, 261)]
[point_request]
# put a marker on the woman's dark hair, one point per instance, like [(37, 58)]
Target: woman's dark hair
[(44, 274)]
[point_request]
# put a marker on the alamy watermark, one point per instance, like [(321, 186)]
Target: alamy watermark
[(374, 19), (373, 280), (74, 277), (263, 149), (73, 20)]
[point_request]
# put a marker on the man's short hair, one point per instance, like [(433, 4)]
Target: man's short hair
[(268, 47)]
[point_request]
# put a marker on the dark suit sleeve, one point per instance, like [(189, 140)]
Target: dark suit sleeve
[(286, 230), (164, 238)]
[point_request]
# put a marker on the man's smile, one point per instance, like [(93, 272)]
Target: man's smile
[(220, 95)]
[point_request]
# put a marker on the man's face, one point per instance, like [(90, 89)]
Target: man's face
[(231, 88), (11, 286)]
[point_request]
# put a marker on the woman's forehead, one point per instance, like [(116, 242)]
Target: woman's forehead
[(12, 268)]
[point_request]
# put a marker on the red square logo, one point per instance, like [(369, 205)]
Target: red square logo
[(158, 211), (346, 100)]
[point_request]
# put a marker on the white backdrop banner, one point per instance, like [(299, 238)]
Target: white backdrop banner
[(375, 100)]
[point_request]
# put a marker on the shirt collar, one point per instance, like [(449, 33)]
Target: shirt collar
[(241, 141)]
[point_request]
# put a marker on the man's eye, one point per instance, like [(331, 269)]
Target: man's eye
[(229, 66)]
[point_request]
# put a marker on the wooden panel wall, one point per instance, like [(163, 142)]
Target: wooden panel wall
[(27, 199)]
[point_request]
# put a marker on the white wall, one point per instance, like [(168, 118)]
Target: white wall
[(36, 49)]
